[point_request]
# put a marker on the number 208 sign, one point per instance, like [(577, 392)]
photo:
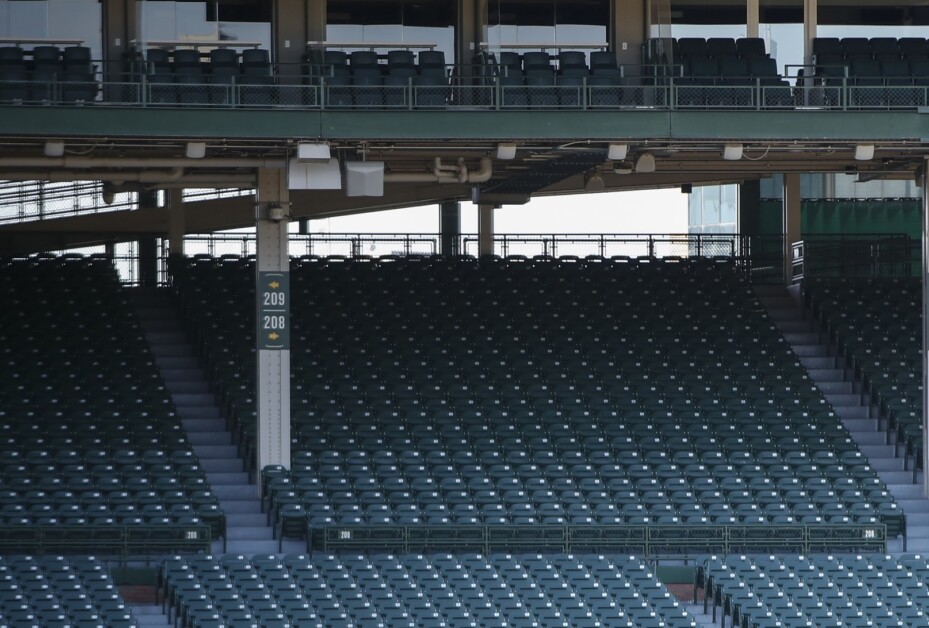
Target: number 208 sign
[(273, 311)]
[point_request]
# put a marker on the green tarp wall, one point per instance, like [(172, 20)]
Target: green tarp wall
[(847, 216)]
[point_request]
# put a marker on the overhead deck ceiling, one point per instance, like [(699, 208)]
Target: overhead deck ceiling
[(557, 153)]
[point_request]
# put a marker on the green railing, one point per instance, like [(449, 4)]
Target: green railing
[(121, 541), (465, 87), (649, 541)]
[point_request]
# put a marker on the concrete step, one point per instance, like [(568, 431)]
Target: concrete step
[(254, 533), (854, 413), (780, 314), (172, 351), (209, 438), (868, 437), (215, 451), (916, 546), (228, 478), (914, 506), (173, 362), (794, 326), (187, 413), (194, 400), (905, 491), (835, 388), (811, 351), (243, 507), (877, 451), (221, 465), (181, 374), (149, 615), (203, 425), (247, 520), (844, 400), (817, 362), (887, 464), (826, 375), (188, 387), (899, 477), (165, 337), (777, 302), (235, 491), (250, 548), (802, 338)]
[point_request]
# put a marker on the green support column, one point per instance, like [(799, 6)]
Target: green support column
[(272, 292), (925, 278)]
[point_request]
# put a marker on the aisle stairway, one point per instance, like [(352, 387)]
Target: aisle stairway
[(247, 529), (149, 616), (858, 414)]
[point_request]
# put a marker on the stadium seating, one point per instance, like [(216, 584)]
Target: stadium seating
[(823, 591), (56, 591), (89, 434), (419, 590), (877, 325), (520, 391)]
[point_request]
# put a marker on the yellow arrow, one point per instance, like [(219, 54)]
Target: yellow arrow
[(273, 335), (274, 285)]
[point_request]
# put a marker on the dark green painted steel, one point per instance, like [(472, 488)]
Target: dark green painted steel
[(117, 122)]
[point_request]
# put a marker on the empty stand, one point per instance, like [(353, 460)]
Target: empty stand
[(59, 591), (822, 590), (590, 411), (90, 437), (420, 590)]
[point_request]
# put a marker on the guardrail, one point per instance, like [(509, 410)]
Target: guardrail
[(122, 541), (856, 255), (463, 88), (649, 541)]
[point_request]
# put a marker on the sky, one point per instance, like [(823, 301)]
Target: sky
[(612, 212), (639, 212)]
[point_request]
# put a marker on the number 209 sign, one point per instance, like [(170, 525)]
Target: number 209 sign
[(273, 310)]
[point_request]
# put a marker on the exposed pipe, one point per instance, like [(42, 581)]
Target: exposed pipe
[(158, 178), (445, 174), (80, 162)]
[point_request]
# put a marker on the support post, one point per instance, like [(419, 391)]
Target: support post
[(791, 221), (752, 17), (485, 230), (272, 291), (449, 227), (148, 261), (925, 312), (810, 22), (177, 224)]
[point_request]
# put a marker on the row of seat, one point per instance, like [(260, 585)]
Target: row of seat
[(442, 408), (906, 48), (59, 591), (877, 322), (89, 431), (413, 590), (824, 591)]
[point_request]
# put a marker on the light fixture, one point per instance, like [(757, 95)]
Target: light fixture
[(593, 182), (864, 152), (313, 151), (54, 149), (623, 167), (732, 152), (506, 151), (276, 212), (645, 163), (195, 150), (617, 152)]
